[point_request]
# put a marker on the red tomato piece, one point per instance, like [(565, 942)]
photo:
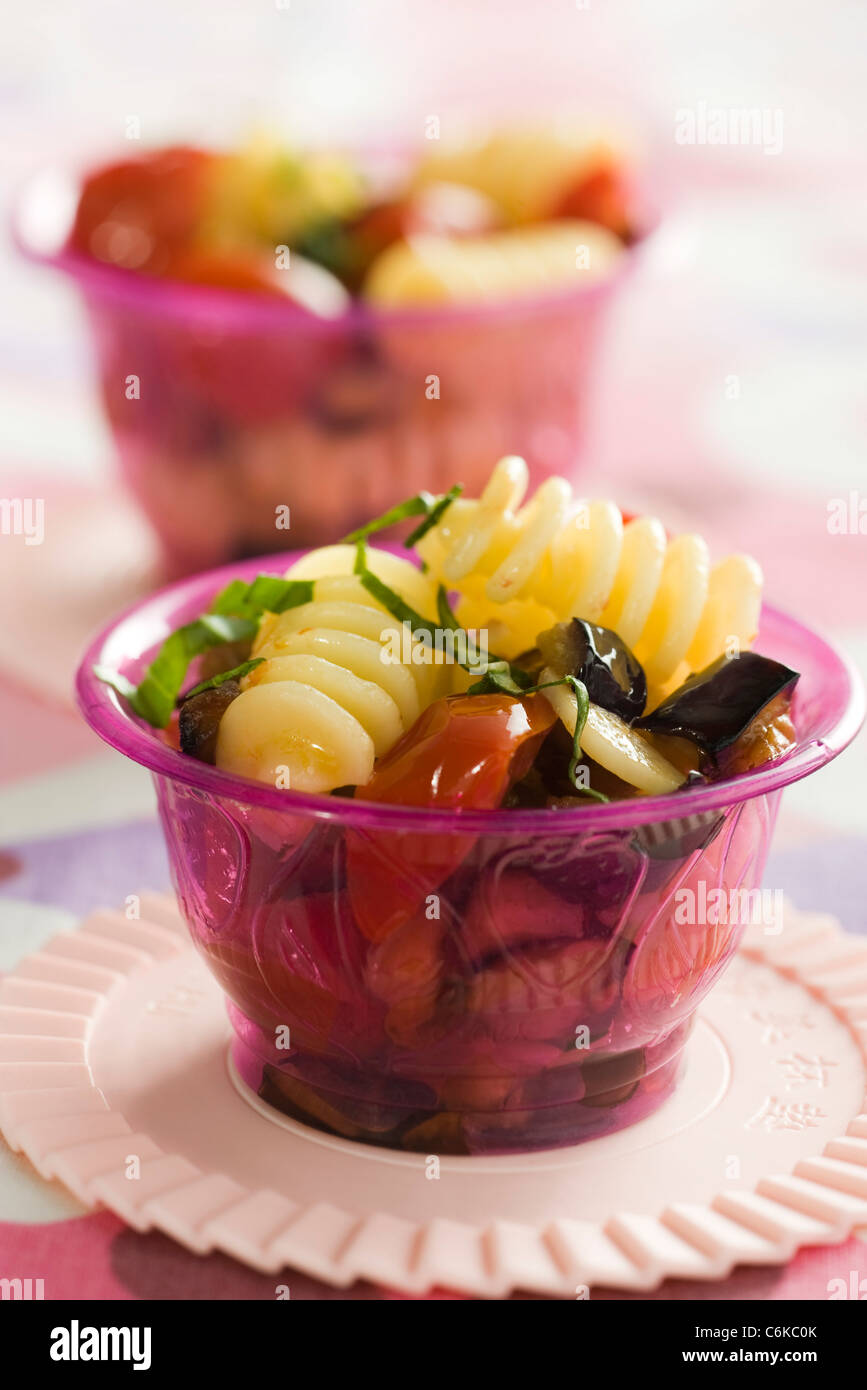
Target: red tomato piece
[(442, 209), (139, 212), (227, 270), (406, 971), (377, 227), (675, 962), (601, 197), (463, 753), (512, 910)]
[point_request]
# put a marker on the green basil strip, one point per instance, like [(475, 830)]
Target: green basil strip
[(230, 600), (158, 691), (153, 699), (420, 505), (449, 622), (424, 504), (395, 604), (391, 601), (505, 676), (434, 515), (234, 675), (444, 612), (501, 677), (268, 593), (592, 794), (498, 678), (520, 680), (582, 699), (233, 617)]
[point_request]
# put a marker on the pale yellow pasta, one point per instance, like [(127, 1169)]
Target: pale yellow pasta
[(292, 735), (734, 589), (375, 709), (323, 627), (519, 568), (267, 193), (348, 650), (518, 261), (523, 171), (639, 569), (340, 680), (613, 744), (332, 567), (676, 610)]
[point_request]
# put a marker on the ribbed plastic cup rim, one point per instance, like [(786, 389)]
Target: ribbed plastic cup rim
[(156, 615)]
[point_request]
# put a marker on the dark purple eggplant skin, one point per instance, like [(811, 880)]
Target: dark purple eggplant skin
[(715, 706), (612, 674), (199, 720)]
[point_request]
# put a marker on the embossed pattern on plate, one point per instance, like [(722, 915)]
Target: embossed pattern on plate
[(113, 1079)]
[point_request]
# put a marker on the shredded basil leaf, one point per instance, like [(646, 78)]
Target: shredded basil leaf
[(444, 612), (424, 504), (498, 678), (234, 675), (494, 664), (268, 593), (502, 677), (499, 675), (230, 599), (420, 505), (592, 794), (154, 697), (396, 606), (582, 699), (233, 617), (434, 515), (390, 600)]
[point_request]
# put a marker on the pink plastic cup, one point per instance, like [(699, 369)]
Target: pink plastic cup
[(246, 407), (544, 970)]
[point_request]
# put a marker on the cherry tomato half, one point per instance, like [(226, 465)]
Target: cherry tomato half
[(139, 212), (463, 753), (601, 197)]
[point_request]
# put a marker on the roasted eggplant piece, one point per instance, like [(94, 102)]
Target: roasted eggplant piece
[(199, 720), (614, 678), (530, 662), (736, 710), (223, 658), (547, 782)]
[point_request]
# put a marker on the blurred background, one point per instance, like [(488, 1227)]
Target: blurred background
[(731, 392)]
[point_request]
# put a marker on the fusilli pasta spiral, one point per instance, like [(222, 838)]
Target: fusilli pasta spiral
[(325, 703), (523, 171), (520, 568), (465, 270)]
